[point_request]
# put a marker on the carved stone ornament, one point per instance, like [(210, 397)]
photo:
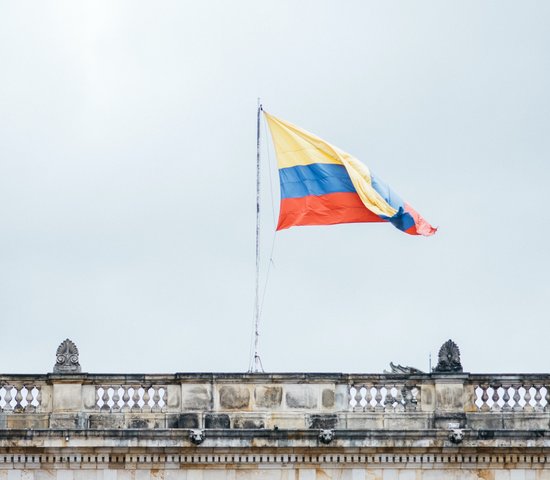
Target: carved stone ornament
[(67, 358), (196, 436), (449, 358), (396, 368), (326, 436)]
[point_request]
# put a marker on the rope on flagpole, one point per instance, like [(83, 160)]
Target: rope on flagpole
[(271, 262)]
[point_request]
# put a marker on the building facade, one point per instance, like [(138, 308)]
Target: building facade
[(404, 425)]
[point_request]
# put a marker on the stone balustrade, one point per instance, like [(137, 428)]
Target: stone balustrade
[(275, 401), (71, 425)]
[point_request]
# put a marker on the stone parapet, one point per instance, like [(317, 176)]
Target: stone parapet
[(293, 401), (403, 425)]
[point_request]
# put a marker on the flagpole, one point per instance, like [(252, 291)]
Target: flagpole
[(256, 361)]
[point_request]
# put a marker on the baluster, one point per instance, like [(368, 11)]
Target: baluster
[(408, 398), (528, 407), (156, 400), (135, 399), (506, 398), (146, 398), (351, 397), (97, 397), (417, 398), (368, 398), (517, 398), (105, 398), (378, 399), (547, 398), (496, 397), (399, 407), (358, 397), (484, 407), (18, 399), (116, 398), (38, 397), (8, 398), (125, 399), (389, 400), (28, 398), (538, 398)]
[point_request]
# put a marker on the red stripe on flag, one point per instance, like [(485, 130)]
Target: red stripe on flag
[(341, 207)]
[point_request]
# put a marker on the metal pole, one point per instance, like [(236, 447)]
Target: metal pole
[(256, 362)]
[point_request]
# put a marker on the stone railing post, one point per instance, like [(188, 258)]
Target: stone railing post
[(67, 401), (449, 382), (450, 400), (67, 389)]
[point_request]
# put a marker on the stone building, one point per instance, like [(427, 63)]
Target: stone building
[(403, 425)]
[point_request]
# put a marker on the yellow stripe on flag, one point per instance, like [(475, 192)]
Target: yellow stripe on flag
[(295, 146)]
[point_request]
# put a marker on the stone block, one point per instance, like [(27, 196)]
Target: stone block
[(46, 392), (443, 421), (196, 397), (427, 397), (407, 421), (138, 423), (301, 396), (67, 397), (247, 421), (106, 421), (268, 397), (143, 421), (449, 397), (213, 420), (341, 397), (525, 422), (88, 397), (284, 421), (188, 420), (24, 421), (484, 421), (362, 421), (173, 393), (323, 421), (327, 398), (67, 420), (172, 420), (234, 397)]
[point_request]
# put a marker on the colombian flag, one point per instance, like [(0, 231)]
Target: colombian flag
[(323, 185)]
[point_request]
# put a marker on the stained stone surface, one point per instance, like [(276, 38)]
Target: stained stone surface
[(268, 397), (212, 420), (323, 421), (328, 398), (234, 397), (301, 396), (248, 422), (196, 397)]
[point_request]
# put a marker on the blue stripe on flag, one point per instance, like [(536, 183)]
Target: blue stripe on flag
[(314, 179)]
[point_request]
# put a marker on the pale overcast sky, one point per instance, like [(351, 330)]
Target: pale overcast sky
[(127, 183)]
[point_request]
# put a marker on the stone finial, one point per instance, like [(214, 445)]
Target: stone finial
[(67, 358), (449, 358)]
